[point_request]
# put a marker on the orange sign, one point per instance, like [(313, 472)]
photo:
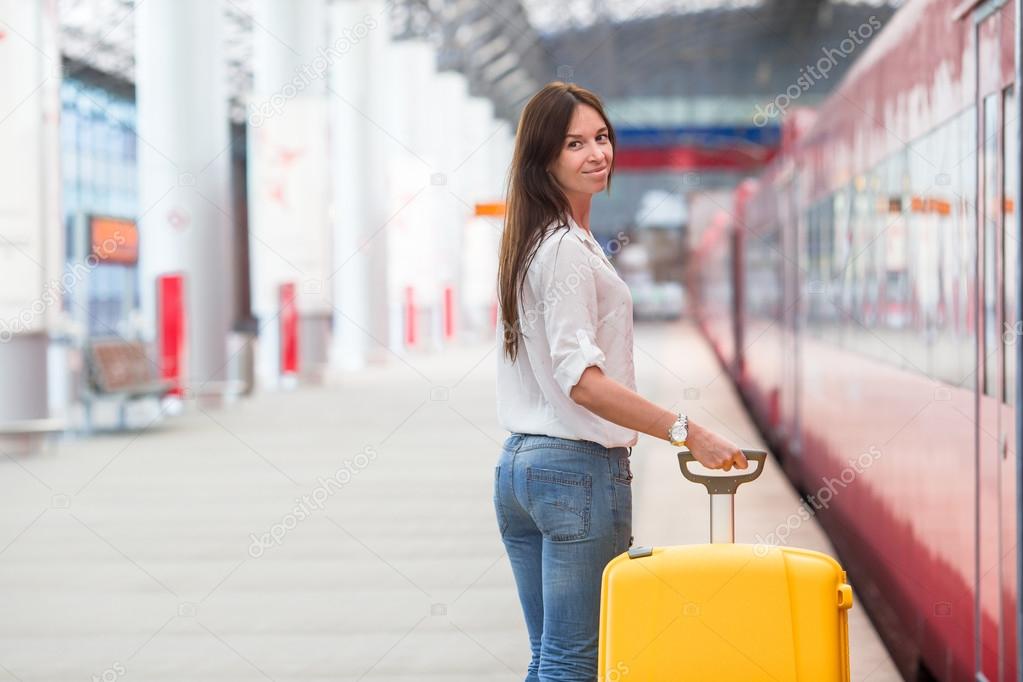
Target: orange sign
[(114, 240), (496, 208)]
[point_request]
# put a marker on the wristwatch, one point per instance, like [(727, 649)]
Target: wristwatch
[(679, 431)]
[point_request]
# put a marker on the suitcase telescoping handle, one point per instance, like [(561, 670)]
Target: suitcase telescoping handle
[(722, 492)]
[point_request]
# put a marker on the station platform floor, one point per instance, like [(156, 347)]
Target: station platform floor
[(147, 555)]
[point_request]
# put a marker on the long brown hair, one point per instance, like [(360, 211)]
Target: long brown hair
[(534, 199)]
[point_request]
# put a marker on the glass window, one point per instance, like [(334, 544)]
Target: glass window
[(964, 179), (820, 312), (99, 168), (948, 338), (1010, 251), (893, 257), (990, 226)]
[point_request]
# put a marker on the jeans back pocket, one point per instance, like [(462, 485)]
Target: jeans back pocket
[(559, 502)]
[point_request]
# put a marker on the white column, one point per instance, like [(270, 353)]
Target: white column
[(433, 272), (31, 242), (414, 196), (361, 121), (288, 179), (482, 234), (396, 112), (394, 147), (184, 180), (453, 92), (351, 214)]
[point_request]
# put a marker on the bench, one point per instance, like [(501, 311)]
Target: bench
[(123, 370)]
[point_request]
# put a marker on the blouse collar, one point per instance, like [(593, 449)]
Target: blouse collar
[(578, 231), (588, 239)]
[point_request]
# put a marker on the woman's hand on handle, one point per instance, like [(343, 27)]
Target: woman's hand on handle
[(714, 451), (610, 400)]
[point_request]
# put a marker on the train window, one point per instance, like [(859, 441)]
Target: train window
[(878, 214), (1010, 178), (868, 255), (947, 335), (839, 277), (891, 258), (862, 252), (928, 227), (920, 254), (964, 180), (991, 336), (813, 278), (894, 280), (821, 313)]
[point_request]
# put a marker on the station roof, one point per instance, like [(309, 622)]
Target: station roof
[(552, 17), (509, 48)]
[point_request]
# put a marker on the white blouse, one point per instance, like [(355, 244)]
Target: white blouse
[(574, 312)]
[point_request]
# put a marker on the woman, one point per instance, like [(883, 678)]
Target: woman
[(566, 385)]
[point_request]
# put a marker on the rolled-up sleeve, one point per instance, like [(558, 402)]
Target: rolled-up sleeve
[(566, 295)]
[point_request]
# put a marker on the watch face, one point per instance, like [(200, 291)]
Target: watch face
[(678, 432)]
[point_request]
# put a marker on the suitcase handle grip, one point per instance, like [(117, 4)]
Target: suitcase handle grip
[(722, 485)]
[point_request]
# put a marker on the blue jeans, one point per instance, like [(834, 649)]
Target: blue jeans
[(564, 509)]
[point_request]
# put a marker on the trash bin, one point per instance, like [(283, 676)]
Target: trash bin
[(241, 366)]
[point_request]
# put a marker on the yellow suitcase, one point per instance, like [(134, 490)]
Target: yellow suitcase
[(724, 612)]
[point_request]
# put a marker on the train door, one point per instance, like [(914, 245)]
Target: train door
[(997, 161)]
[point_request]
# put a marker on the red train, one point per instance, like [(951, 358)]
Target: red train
[(862, 293)]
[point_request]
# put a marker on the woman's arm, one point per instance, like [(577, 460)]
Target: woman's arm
[(609, 400)]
